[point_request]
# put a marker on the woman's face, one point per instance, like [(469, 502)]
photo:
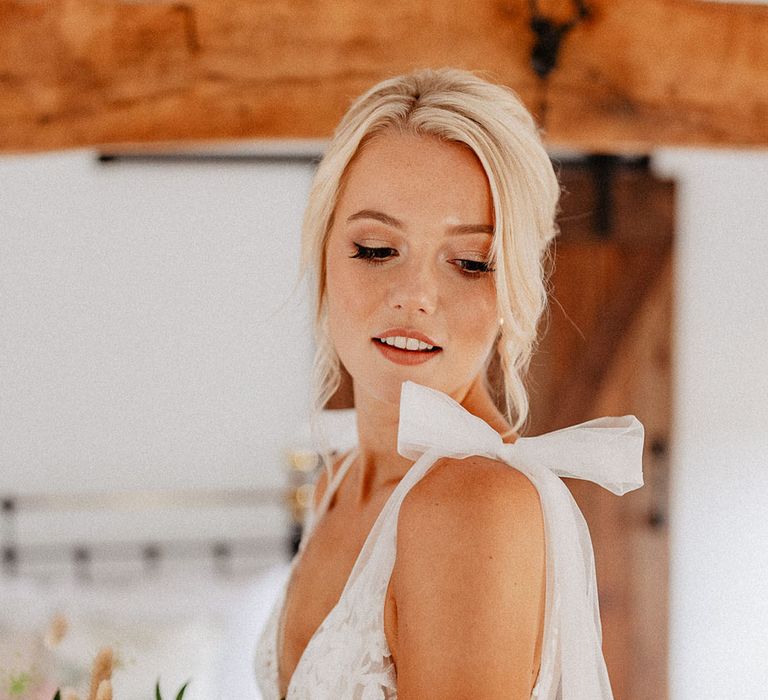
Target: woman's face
[(420, 211)]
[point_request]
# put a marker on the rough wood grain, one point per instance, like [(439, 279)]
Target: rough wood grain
[(634, 75)]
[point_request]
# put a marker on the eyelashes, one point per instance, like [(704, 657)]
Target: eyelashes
[(377, 256), (374, 255)]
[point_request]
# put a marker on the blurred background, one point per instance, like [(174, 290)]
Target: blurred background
[(155, 460)]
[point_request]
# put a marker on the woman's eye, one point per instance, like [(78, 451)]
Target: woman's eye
[(474, 268), (377, 256), (371, 255)]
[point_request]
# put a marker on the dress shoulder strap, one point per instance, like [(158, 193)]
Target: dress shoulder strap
[(314, 515)]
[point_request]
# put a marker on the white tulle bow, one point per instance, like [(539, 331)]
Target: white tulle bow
[(607, 451)]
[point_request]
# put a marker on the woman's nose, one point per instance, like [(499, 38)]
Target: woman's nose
[(414, 289)]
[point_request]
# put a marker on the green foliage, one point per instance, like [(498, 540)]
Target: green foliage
[(179, 695), (158, 696), (19, 684)]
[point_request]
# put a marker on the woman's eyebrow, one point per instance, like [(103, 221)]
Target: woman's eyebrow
[(471, 228), (377, 216), (396, 223)]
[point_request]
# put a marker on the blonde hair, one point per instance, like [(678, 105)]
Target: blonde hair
[(456, 106)]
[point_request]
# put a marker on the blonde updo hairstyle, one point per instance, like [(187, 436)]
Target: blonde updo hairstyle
[(457, 106)]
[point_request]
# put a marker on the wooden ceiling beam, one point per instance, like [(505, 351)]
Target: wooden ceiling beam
[(630, 77)]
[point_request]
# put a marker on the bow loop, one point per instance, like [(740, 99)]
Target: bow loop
[(431, 419), (607, 451)]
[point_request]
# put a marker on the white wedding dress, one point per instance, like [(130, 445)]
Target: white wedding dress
[(347, 658)]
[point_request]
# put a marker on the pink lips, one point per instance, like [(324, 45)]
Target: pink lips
[(404, 357)]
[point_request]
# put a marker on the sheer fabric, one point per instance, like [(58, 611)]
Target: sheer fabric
[(348, 658)]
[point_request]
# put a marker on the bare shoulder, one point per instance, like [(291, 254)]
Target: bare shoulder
[(479, 501), (459, 486), (470, 568)]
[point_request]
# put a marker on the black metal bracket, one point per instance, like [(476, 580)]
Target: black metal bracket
[(549, 35), (603, 167)]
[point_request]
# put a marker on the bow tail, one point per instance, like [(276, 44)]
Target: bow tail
[(572, 632)]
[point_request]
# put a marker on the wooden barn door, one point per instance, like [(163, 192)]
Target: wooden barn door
[(605, 350)]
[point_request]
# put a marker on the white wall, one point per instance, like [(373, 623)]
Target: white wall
[(137, 350), (719, 487), (147, 337)]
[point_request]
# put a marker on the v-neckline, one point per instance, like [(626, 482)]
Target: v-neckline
[(323, 507)]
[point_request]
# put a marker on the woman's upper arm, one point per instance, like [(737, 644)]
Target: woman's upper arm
[(469, 583)]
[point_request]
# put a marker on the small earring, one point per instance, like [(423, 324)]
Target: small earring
[(501, 321)]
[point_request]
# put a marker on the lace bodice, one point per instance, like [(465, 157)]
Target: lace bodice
[(352, 625), (348, 658)]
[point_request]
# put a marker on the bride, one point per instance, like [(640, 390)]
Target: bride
[(443, 558)]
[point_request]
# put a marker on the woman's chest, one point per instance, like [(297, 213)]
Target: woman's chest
[(317, 583)]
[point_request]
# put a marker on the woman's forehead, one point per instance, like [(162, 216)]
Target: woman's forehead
[(408, 172)]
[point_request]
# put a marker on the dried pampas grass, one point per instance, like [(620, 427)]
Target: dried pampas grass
[(102, 671)]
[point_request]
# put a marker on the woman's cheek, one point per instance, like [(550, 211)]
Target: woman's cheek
[(478, 307)]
